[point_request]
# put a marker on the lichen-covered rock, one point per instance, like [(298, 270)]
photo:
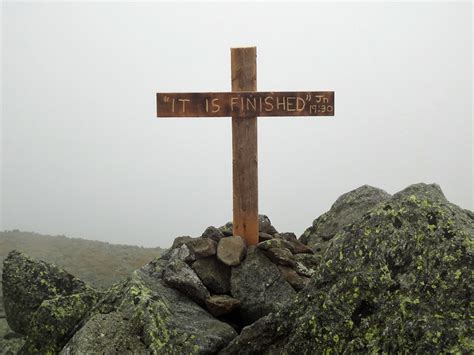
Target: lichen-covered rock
[(274, 243), (264, 236), (213, 274), (178, 241), (311, 261), (143, 315), (306, 264), (110, 333), (10, 342), (181, 252), (293, 278), (285, 241), (179, 275), (295, 245), (257, 337), (231, 250), (347, 209), (259, 286), (54, 320), (189, 249), (28, 282), (213, 233), (280, 256), (396, 280)]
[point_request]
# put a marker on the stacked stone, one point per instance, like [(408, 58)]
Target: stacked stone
[(221, 273)]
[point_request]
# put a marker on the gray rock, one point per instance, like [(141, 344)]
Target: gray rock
[(10, 342), (310, 261), (28, 282), (265, 226), (274, 243), (181, 252), (214, 274), (259, 286), (347, 209), (202, 247), (142, 315), (62, 314), (280, 256), (293, 278), (286, 236), (302, 270), (398, 279), (178, 241), (257, 338), (264, 236), (213, 233), (231, 250), (108, 334), (294, 244), (179, 275), (219, 305), (227, 229)]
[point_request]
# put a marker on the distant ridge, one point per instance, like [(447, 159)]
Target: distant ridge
[(99, 263)]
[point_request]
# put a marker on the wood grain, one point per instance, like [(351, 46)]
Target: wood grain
[(244, 149), (245, 104)]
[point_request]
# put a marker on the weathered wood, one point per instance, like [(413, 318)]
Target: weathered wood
[(244, 149), (245, 104)]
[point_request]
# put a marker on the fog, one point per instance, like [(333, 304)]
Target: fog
[(83, 154)]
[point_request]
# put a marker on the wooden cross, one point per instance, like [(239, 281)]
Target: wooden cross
[(244, 104)]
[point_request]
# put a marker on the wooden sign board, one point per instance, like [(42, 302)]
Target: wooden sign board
[(245, 104)]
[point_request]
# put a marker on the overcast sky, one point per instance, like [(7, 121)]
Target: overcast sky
[(84, 155)]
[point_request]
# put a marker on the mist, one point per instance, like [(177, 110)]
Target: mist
[(82, 153)]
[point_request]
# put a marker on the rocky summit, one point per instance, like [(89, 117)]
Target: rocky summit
[(375, 274)]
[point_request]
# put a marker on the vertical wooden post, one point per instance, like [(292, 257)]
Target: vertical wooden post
[(244, 149)]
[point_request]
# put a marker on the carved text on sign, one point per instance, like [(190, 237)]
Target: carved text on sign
[(245, 104)]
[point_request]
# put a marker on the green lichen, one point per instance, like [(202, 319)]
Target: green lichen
[(403, 284), (54, 320)]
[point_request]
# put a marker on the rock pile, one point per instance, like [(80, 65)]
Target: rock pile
[(396, 277), (222, 274), (376, 273), (43, 301)]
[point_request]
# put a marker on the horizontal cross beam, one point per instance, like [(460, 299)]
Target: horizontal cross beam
[(245, 104)]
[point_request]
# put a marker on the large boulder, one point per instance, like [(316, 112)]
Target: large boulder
[(347, 209), (259, 285), (143, 315), (54, 320), (395, 277), (396, 280), (28, 282), (106, 333)]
